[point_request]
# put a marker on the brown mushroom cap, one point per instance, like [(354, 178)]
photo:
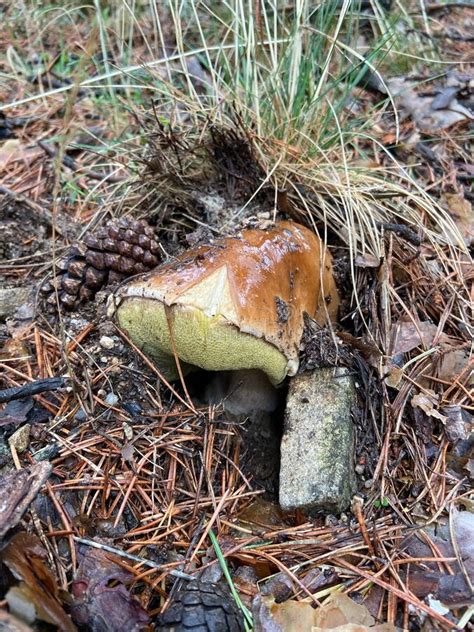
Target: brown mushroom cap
[(259, 284)]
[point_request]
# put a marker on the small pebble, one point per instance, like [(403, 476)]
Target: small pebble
[(80, 415), (111, 399), (331, 521), (127, 431), (47, 453), (106, 342), (368, 484), (20, 439), (360, 469), (25, 312)]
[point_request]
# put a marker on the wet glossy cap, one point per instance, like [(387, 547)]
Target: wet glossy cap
[(237, 303)]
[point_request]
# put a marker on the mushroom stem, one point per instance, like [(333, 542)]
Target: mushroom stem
[(242, 392)]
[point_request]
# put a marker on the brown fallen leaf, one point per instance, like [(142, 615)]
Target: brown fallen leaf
[(37, 592), (279, 586), (367, 261), (455, 362), (290, 615), (462, 212), (27, 409), (102, 602), (459, 424), (406, 336), (394, 376), (451, 590), (339, 613), (420, 108), (339, 609), (427, 402), (7, 150), (262, 513), (423, 426)]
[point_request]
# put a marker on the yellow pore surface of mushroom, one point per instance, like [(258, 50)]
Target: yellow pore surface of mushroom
[(237, 303)]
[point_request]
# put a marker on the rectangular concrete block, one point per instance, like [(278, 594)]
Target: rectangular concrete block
[(317, 449)]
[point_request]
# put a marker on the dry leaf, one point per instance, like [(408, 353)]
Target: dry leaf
[(288, 616), (339, 613), (127, 452), (462, 213), (406, 336), (13, 349), (420, 108), (37, 591), (458, 425), (340, 609), (262, 513), (7, 150), (453, 363), (394, 376), (16, 411), (279, 586), (427, 402), (451, 590), (367, 261), (102, 602)]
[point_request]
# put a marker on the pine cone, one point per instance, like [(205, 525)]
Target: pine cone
[(201, 607), (114, 252)]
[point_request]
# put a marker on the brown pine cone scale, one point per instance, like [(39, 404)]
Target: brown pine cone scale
[(112, 253)]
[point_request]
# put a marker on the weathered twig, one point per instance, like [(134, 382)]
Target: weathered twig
[(402, 231), (17, 491), (34, 388)]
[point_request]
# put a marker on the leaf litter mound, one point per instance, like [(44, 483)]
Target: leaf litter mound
[(139, 469)]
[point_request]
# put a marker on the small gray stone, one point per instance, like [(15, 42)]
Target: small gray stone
[(81, 415), (317, 449), (11, 298), (47, 453), (111, 399), (20, 439), (106, 342), (26, 311)]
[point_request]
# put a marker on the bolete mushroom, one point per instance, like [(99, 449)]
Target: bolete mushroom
[(237, 303)]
